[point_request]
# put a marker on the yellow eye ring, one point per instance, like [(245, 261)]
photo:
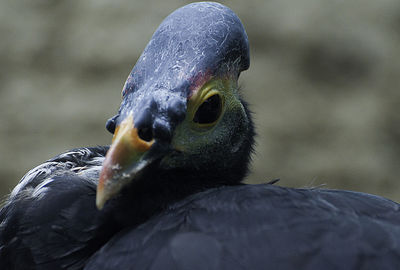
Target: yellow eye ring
[(206, 108), (209, 111)]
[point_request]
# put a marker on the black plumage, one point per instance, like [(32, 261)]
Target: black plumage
[(262, 227), (167, 193), (50, 220)]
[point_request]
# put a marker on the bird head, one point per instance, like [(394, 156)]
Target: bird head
[(181, 110)]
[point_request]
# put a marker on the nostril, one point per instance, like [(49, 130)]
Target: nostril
[(146, 134), (110, 125)]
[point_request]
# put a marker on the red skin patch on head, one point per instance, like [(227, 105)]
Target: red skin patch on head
[(197, 81)]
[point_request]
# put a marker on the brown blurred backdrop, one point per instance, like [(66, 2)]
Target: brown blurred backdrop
[(323, 84)]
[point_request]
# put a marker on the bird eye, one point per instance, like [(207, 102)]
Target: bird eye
[(209, 111)]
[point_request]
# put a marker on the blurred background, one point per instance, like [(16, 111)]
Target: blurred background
[(323, 84)]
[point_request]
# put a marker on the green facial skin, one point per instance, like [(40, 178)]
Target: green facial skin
[(193, 140)]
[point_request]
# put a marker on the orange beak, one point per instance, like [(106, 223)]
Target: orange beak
[(125, 160)]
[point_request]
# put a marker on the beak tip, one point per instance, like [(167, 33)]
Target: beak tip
[(100, 199)]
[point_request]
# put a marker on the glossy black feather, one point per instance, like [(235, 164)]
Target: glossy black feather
[(262, 227), (51, 222)]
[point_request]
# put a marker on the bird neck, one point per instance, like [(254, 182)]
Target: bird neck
[(162, 187), (139, 202)]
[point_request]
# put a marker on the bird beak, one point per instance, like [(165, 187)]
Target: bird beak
[(126, 160)]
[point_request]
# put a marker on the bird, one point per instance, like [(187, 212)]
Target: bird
[(168, 192)]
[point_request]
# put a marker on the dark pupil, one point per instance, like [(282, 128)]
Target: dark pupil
[(209, 111)]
